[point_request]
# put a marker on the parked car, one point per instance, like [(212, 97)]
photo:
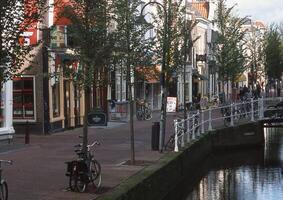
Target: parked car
[(273, 111)]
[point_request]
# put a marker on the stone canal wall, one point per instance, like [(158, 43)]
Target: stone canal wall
[(156, 181)]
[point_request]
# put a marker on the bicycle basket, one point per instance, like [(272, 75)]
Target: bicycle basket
[(70, 167), (81, 166)]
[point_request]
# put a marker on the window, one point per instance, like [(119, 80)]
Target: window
[(23, 98), (56, 99), (120, 86)]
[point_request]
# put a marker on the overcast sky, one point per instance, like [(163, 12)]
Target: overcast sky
[(265, 10)]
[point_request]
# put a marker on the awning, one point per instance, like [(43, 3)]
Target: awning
[(241, 78)]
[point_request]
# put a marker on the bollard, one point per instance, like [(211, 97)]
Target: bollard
[(202, 122), (27, 135)]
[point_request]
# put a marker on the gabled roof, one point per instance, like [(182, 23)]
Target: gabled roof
[(201, 8), (260, 24)]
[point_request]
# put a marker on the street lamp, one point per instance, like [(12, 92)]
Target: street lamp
[(185, 65), (162, 76)]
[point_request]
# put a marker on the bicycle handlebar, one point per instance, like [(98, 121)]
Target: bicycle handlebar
[(88, 146), (10, 162), (94, 143)]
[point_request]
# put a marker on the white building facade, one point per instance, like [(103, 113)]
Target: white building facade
[(6, 111)]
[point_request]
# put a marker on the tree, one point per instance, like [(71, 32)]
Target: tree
[(273, 50), (131, 49), (254, 42), (16, 17), (174, 44), (89, 22), (229, 47)]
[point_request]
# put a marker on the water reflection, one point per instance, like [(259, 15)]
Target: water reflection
[(247, 174)]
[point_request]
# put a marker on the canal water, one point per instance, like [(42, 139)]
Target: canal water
[(246, 174)]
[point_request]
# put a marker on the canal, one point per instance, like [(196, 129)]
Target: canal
[(246, 174)]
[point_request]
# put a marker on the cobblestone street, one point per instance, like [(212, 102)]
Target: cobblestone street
[(38, 172)]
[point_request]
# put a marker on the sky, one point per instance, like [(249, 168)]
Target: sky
[(268, 11)]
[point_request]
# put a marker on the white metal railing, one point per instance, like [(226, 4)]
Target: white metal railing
[(201, 121)]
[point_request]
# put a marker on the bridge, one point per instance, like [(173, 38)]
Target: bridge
[(269, 111)]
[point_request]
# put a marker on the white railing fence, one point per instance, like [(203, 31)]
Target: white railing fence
[(200, 122)]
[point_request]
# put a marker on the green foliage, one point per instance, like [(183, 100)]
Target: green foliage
[(131, 48), (229, 47), (176, 34), (273, 53), (15, 18), (254, 42), (89, 22)]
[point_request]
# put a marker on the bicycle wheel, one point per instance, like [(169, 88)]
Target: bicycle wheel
[(139, 115), (170, 143), (227, 121), (4, 191), (73, 179), (147, 114), (236, 117), (81, 184), (95, 172)]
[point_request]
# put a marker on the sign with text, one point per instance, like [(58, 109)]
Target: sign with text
[(171, 104), (97, 119)]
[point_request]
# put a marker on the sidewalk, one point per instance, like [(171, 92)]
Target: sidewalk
[(38, 172)]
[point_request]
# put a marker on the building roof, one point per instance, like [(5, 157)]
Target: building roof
[(260, 24), (201, 8)]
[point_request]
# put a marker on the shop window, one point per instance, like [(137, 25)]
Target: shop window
[(56, 99), (23, 98)]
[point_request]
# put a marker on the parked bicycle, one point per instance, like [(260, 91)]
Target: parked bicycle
[(193, 123), (143, 111), (226, 113), (84, 170), (3, 183)]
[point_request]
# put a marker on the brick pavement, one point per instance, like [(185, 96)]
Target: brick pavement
[(38, 172)]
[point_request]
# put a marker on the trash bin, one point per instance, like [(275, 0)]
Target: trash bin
[(155, 136)]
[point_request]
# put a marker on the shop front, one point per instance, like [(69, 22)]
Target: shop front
[(66, 108), (6, 111)]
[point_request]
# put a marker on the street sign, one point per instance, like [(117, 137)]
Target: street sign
[(171, 104)]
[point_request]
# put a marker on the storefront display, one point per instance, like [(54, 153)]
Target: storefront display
[(23, 95)]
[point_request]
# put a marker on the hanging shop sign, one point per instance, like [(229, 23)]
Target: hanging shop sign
[(97, 118)]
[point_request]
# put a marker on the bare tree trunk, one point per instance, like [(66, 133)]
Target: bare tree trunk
[(85, 127), (129, 83), (132, 134)]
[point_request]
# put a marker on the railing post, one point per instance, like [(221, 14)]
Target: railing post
[(252, 110), (262, 107), (259, 108), (198, 123), (231, 115), (202, 122), (188, 129), (176, 148), (209, 119), (193, 128), (183, 135)]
